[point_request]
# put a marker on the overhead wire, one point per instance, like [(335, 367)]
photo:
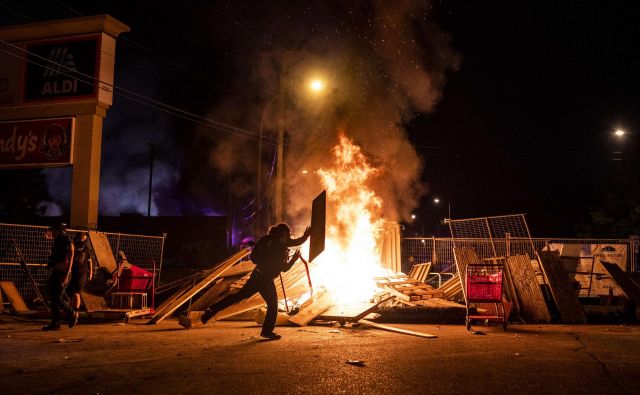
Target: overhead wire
[(131, 95)]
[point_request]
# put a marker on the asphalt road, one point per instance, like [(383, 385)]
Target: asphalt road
[(228, 357)]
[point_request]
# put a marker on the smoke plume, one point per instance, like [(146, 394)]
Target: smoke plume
[(383, 62)]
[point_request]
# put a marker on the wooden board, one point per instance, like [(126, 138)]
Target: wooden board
[(213, 294), (561, 288), (397, 330), (532, 306), (225, 265), (318, 221), (625, 282), (116, 314), (102, 250), (240, 269), (320, 304), (14, 297), (93, 302)]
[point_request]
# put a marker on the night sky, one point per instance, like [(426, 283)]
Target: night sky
[(522, 102)]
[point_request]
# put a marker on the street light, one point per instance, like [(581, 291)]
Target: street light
[(619, 132), (437, 201), (316, 86)]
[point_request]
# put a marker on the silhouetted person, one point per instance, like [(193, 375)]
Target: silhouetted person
[(271, 256), (60, 262), (81, 270)]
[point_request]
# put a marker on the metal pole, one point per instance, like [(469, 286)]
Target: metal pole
[(258, 222), (151, 149), (280, 148)]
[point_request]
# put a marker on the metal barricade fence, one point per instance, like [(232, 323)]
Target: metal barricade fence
[(439, 251), (35, 243)]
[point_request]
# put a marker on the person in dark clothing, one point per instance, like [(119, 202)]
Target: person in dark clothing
[(82, 269), (60, 262), (274, 259)]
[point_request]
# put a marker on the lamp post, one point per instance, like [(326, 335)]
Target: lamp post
[(316, 86), (437, 201)]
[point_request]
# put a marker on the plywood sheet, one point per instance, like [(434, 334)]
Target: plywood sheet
[(102, 250), (561, 288), (320, 304), (93, 302), (532, 306), (14, 297)]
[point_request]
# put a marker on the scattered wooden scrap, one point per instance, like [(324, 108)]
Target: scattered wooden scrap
[(14, 297), (407, 288), (564, 295)]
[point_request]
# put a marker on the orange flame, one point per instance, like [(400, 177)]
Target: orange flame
[(351, 258)]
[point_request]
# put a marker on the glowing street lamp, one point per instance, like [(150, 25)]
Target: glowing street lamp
[(619, 132), (437, 201), (317, 85)]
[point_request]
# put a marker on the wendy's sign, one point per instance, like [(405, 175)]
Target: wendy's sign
[(36, 143)]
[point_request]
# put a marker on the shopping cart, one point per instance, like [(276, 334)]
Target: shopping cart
[(484, 286)]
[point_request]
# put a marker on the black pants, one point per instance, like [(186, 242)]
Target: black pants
[(56, 295), (263, 284)]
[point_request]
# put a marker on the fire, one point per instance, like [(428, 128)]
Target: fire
[(351, 258)]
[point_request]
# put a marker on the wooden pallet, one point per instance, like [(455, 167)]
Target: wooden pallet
[(420, 271), (407, 288)]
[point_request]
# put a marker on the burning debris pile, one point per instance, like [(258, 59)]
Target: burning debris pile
[(349, 279)]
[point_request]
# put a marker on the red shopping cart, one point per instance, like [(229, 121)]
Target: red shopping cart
[(484, 286)]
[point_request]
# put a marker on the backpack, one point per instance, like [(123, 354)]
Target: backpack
[(259, 253)]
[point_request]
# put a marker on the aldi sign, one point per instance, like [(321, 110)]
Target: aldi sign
[(36, 143), (62, 69)]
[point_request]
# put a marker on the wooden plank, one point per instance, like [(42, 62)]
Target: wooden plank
[(561, 288), (320, 304), (199, 287), (102, 250), (93, 302), (624, 281), (398, 294), (14, 297), (214, 294), (240, 269), (397, 330), (532, 306)]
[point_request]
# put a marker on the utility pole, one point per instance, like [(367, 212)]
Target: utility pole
[(258, 222), (280, 147), (151, 149)]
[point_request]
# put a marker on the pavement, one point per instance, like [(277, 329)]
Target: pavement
[(229, 357)]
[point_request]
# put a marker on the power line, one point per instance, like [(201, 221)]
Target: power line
[(128, 94)]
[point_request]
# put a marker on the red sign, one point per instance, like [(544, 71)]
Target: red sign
[(37, 143)]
